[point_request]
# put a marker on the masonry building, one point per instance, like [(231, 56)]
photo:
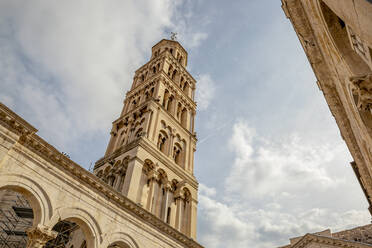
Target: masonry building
[(337, 38), (142, 193)]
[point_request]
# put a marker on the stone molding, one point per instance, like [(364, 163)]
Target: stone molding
[(47, 152), (144, 143), (329, 241), (14, 123)]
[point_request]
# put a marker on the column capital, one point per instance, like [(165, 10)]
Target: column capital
[(38, 236), (153, 175)]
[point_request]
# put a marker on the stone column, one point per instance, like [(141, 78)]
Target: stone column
[(132, 179), (38, 236), (152, 177), (120, 176), (173, 213), (148, 123), (164, 211), (174, 105), (179, 201), (193, 217), (169, 151), (156, 194)]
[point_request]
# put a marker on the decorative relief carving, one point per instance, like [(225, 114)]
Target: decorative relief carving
[(362, 88), (358, 45)]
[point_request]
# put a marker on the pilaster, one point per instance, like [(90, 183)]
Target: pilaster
[(132, 179), (193, 219)]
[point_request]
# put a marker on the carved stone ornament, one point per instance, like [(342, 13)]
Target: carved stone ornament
[(363, 88), (39, 236)]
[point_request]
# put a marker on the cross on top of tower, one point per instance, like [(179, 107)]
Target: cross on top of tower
[(173, 36)]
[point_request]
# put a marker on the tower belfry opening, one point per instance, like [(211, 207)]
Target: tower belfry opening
[(150, 155)]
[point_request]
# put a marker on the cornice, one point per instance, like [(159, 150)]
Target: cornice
[(174, 41), (314, 238), (37, 145), (187, 177), (14, 123), (145, 144)]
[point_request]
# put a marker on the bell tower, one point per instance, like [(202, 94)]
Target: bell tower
[(150, 155)]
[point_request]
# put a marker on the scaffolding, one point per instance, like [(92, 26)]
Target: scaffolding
[(16, 217), (64, 229)]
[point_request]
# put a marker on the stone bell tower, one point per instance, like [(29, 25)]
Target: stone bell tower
[(150, 156)]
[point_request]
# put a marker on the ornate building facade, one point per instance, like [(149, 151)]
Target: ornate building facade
[(337, 38), (142, 193)]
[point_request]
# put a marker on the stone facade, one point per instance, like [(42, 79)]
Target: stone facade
[(357, 237), (142, 193), (337, 38)]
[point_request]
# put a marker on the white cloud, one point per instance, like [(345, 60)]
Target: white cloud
[(287, 164), (279, 189), (205, 91), (66, 65)]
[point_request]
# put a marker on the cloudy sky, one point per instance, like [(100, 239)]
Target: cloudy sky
[(270, 160)]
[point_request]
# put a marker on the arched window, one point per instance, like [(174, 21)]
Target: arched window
[(170, 70), (154, 69), (147, 95), (179, 111), (177, 154), (174, 74), (171, 51), (134, 103), (139, 133), (186, 88), (111, 180), (165, 98), (170, 103), (162, 141)]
